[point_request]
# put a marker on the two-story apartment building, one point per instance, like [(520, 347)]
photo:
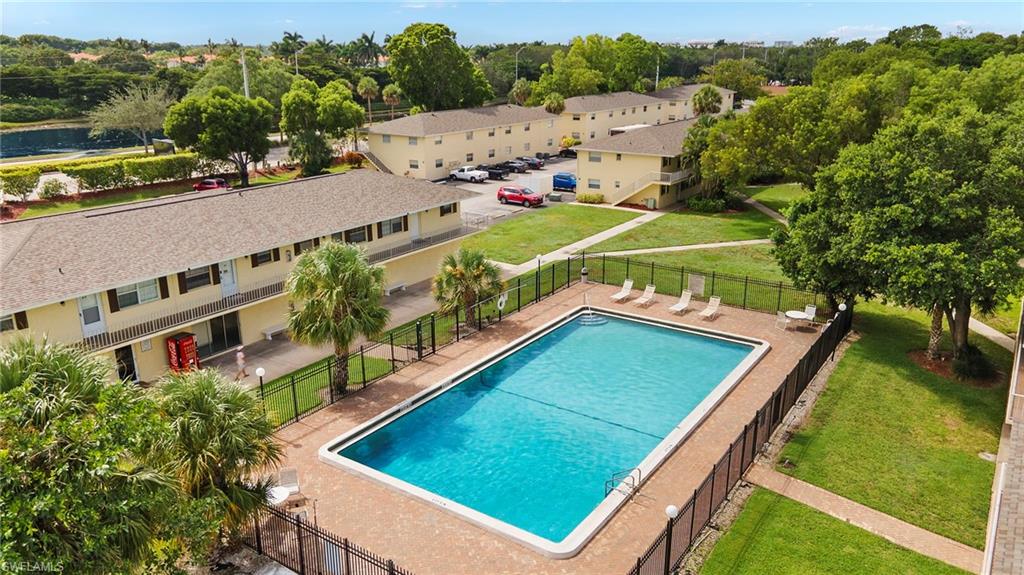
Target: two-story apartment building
[(640, 166), (588, 118), (124, 280), (679, 101), (429, 145)]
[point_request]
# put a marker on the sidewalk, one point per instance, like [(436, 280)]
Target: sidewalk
[(992, 334), (510, 270), (766, 211), (895, 530), (666, 249)]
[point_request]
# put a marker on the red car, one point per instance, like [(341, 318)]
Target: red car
[(518, 195), (211, 184)]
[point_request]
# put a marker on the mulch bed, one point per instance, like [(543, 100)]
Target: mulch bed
[(943, 367)]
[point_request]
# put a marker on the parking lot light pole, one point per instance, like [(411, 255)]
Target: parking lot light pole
[(521, 48)]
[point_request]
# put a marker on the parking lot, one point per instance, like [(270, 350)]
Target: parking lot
[(486, 205)]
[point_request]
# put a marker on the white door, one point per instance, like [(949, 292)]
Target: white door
[(91, 312), (414, 226), (228, 281)]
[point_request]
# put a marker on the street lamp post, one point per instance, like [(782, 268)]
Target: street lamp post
[(521, 48), (672, 512), (260, 372)]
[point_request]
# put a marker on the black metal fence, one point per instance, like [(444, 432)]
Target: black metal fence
[(310, 550), (310, 389), (668, 550)]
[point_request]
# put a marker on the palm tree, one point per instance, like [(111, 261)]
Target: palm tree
[(520, 92), (368, 89), (707, 100), (367, 49), (338, 298), (220, 440), (327, 45), (554, 103), (464, 279), (693, 148), (210, 46), (392, 96)]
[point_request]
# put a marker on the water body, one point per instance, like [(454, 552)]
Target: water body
[(57, 140)]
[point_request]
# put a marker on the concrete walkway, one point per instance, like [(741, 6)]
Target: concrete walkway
[(766, 211), (895, 530), (666, 249), (992, 334), (510, 270)]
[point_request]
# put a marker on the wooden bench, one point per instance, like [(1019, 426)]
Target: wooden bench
[(273, 330), (394, 287)]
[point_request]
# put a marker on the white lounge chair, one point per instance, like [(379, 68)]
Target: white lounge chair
[(711, 311), (648, 297), (809, 312), (683, 303), (781, 321), (623, 294)]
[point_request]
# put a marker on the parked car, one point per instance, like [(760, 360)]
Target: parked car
[(493, 172), (563, 181), (468, 174), (534, 163), (519, 195), (211, 184), (567, 153), (515, 166)]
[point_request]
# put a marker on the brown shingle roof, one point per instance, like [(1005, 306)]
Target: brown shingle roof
[(53, 258), (429, 123), (601, 102), (664, 140), (686, 91)]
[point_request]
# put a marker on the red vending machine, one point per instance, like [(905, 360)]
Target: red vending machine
[(181, 352)]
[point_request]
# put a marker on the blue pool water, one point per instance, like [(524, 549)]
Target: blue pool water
[(531, 439)]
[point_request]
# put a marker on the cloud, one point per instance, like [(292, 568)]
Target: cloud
[(853, 32)]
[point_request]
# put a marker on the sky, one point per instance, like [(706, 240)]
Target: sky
[(484, 22)]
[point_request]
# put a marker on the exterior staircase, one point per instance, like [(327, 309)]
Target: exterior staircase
[(650, 178), (375, 161)]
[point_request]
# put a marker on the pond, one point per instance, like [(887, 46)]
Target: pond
[(57, 140)]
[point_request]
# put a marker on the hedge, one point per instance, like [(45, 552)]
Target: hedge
[(20, 183), (161, 168), (59, 165), (589, 198), (102, 176)]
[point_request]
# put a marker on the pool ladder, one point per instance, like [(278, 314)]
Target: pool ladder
[(589, 317), (626, 482)]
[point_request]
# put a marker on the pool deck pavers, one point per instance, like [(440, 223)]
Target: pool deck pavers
[(899, 532), (427, 540)]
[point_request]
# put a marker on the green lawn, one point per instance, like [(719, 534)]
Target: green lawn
[(687, 228), (778, 536), (107, 200), (777, 197), (544, 230), (899, 439), (755, 261), (310, 391), (1005, 319)]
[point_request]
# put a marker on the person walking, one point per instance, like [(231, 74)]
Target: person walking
[(240, 362)]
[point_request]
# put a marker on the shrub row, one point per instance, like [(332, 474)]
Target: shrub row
[(19, 183), (28, 109), (590, 198), (59, 165), (120, 173)]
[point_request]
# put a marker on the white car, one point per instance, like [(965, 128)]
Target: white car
[(468, 174)]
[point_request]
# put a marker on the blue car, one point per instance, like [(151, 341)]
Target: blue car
[(564, 181)]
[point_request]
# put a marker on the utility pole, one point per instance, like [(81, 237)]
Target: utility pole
[(296, 63), (521, 48), (657, 71), (245, 75)]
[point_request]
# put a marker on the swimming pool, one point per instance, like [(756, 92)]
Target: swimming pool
[(524, 442)]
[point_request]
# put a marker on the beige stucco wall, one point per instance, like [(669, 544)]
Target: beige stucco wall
[(58, 322), (622, 168), (488, 145), (595, 125)]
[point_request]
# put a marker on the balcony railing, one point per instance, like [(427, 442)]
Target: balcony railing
[(661, 178), (122, 332), (424, 242)]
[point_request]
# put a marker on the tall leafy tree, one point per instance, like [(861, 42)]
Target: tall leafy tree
[(744, 76), (309, 115), (338, 297), (465, 278), (136, 109), (223, 126), (434, 71), (268, 78), (76, 489), (220, 441), (706, 101)]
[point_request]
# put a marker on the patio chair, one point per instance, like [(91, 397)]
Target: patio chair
[(623, 294), (646, 299), (781, 321), (288, 478), (809, 312), (711, 311), (683, 303)]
